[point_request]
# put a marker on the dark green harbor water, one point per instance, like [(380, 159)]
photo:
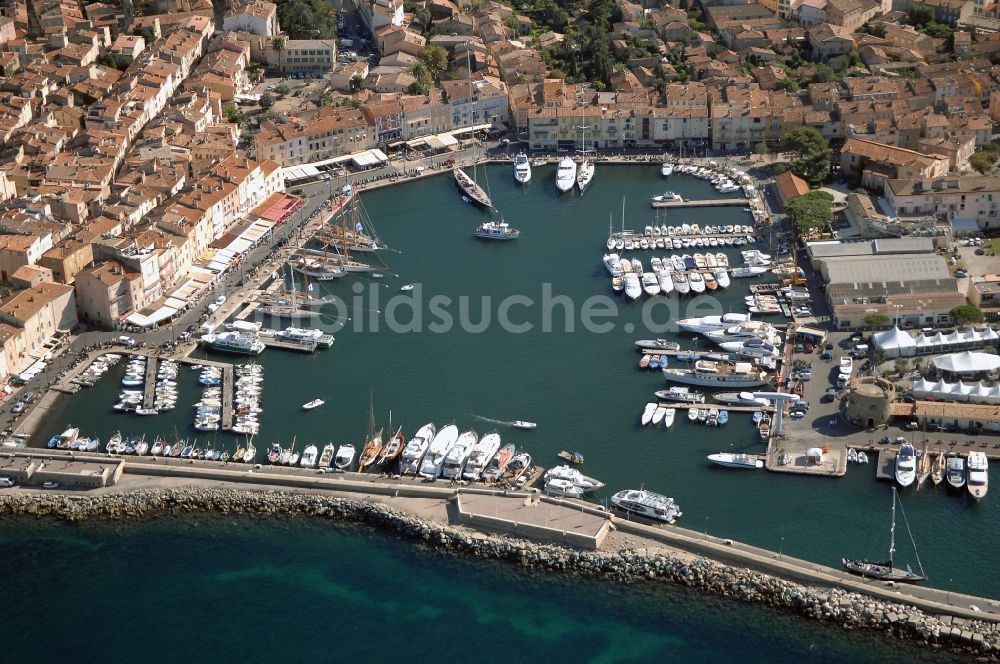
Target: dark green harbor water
[(204, 589), (583, 388)]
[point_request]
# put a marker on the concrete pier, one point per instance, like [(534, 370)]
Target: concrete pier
[(150, 390), (227, 397), (711, 202)]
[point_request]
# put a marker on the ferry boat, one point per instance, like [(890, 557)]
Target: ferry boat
[(415, 449), (648, 504), (497, 230), (718, 374), (978, 476), (522, 168), (471, 189), (743, 461), (242, 343), (566, 174)]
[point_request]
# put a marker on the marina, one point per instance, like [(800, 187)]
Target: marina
[(405, 371)]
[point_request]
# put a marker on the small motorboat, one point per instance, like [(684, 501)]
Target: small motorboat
[(647, 414), (406, 287), (573, 457), (563, 488), (521, 424), (659, 414), (668, 418), (315, 403), (345, 457)]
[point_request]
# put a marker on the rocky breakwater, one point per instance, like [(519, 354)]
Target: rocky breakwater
[(851, 610)]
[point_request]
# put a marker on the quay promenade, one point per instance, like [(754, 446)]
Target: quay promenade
[(568, 522)]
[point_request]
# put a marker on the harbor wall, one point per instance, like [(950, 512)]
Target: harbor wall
[(496, 523), (850, 609)]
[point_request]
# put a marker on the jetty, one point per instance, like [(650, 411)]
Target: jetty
[(150, 388), (708, 202)]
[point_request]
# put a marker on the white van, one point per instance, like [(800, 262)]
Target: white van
[(6, 482)]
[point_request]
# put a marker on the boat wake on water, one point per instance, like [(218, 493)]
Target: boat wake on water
[(506, 423)]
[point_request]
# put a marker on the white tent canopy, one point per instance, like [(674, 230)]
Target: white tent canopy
[(895, 343), (968, 362), (938, 342), (942, 391)]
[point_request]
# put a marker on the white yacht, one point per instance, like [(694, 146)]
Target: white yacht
[(709, 323), (573, 475), (344, 457), (413, 453), (729, 460), (650, 283), (613, 264), (585, 174), (668, 197), (681, 283), (721, 277), (458, 454), (308, 458), (752, 347), (566, 174), (522, 168), (562, 489), (718, 375), (697, 282), (752, 329), (978, 474), (666, 169), (648, 504), (434, 458), (482, 452), (632, 286), (243, 343), (745, 272), (906, 465)]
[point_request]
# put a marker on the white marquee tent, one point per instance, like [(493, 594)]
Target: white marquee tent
[(942, 391), (895, 343), (939, 343), (967, 363)]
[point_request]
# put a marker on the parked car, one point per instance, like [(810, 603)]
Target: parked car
[(50, 485), (27, 397), (805, 375), (19, 407), (6, 483), (826, 355), (961, 274)]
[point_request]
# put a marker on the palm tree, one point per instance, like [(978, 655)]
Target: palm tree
[(278, 45)]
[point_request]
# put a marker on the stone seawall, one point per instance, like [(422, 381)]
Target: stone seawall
[(851, 610)]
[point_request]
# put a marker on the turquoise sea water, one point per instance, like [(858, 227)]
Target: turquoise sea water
[(243, 589), (583, 388)]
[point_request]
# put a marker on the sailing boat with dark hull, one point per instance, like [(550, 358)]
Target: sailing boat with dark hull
[(468, 185), (887, 571)]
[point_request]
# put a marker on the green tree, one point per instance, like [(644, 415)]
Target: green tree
[(281, 89), (147, 32), (810, 211), (326, 99), (877, 320), (434, 58), (308, 19), (233, 112), (761, 148), (789, 85), (920, 15), (965, 314), (812, 154), (357, 83), (825, 74), (266, 100), (278, 46), (984, 159)]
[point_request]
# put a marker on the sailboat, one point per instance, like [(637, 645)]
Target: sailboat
[(468, 186), (887, 571), (285, 307), (372, 449), (586, 171)]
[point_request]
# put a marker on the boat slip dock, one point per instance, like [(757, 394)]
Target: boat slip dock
[(711, 202), (150, 388)]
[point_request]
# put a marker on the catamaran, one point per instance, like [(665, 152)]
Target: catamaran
[(522, 168), (648, 504)]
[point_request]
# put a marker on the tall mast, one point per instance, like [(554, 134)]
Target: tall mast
[(892, 529)]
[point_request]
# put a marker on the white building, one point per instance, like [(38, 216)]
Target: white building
[(257, 17)]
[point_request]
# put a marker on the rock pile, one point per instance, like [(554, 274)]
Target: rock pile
[(852, 610)]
